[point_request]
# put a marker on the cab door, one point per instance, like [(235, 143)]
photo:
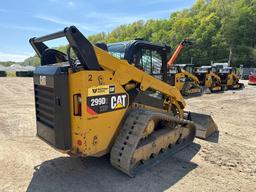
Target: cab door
[(151, 59)]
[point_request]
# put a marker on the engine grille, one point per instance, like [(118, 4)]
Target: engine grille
[(44, 99)]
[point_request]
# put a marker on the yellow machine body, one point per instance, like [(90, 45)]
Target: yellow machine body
[(211, 82), (195, 88), (233, 81), (190, 75), (94, 134)]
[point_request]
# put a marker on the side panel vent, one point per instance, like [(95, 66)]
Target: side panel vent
[(44, 98)]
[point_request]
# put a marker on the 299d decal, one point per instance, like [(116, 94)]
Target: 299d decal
[(106, 103)]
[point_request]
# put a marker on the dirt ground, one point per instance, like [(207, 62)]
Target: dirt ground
[(227, 162)]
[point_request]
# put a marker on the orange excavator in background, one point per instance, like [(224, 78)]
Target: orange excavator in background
[(181, 75), (182, 44)]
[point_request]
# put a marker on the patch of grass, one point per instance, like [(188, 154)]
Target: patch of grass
[(11, 74)]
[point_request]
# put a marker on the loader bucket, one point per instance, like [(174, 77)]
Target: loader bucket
[(241, 85), (205, 125)]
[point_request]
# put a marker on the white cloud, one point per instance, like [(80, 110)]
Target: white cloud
[(54, 20), (64, 22), (13, 57), (65, 3), (110, 21), (113, 20)]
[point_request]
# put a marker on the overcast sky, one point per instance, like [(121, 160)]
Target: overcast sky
[(23, 19)]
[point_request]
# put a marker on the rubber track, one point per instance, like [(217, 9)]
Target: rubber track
[(130, 135)]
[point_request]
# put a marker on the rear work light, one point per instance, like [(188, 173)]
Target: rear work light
[(77, 104)]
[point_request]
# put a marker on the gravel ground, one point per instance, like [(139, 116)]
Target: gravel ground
[(227, 162)]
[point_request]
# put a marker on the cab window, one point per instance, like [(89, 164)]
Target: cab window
[(150, 61), (117, 50)]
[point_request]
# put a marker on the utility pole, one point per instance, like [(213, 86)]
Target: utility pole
[(230, 56), (191, 60)]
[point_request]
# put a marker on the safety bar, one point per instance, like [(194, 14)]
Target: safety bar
[(83, 49), (49, 37)]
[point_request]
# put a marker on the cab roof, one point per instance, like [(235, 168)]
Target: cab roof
[(138, 41), (206, 67), (184, 65)]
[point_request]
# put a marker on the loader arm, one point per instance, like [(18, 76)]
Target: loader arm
[(125, 72), (191, 76), (217, 77)]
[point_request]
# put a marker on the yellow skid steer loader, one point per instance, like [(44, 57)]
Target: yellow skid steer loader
[(94, 103), (209, 79), (182, 77)]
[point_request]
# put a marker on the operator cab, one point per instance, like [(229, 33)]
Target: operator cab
[(146, 56), (225, 70), (228, 70), (149, 57)]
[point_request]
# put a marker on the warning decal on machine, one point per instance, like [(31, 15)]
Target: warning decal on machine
[(101, 90), (106, 103)]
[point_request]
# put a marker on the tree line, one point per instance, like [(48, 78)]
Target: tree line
[(219, 30)]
